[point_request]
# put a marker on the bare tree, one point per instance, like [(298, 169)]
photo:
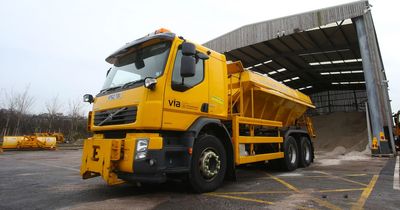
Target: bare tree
[(75, 112), (75, 108), (53, 108), (23, 105), (10, 103), (11, 100), (16, 118), (2, 98)]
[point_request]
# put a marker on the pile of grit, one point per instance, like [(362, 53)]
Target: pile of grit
[(341, 133)]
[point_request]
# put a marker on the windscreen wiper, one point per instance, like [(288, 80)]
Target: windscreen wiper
[(131, 83), (109, 89)]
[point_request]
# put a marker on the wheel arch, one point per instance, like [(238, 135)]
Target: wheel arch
[(217, 128)]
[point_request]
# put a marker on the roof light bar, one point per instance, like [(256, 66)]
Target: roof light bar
[(342, 72), (307, 87), (259, 64), (335, 62), (348, 83)]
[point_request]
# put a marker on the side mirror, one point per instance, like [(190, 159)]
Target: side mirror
[(188, 62), (188, 66), (150, 83), (88, 98), (188, 49)]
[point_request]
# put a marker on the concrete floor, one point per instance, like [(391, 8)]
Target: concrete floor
[(50, 180)]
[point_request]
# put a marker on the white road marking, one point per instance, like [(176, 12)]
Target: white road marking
[(396, 181), (51, 165), (28, 174), (290, 174), (45, 164)]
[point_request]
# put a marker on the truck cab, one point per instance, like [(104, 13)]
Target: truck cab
[(145, 80), (142, 115)]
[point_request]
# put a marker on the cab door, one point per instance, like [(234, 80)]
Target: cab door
[(185, 99)]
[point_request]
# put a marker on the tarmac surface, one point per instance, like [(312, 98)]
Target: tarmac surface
[(50, 180)]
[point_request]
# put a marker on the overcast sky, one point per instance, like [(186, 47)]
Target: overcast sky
[(59, 47)]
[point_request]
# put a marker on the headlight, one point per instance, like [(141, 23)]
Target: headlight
[(141, 145), (141, 155), (141, 148)]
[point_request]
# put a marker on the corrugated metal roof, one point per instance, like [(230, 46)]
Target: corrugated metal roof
[(312, 52), (271, 29)]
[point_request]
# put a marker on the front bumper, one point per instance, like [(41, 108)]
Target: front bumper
[(109, 157), (114, 159)]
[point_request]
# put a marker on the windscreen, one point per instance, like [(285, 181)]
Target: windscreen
[(142, 62)]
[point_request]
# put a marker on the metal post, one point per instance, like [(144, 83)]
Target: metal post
[(355, 100), (371, 84), (385, 87), (329, 102)]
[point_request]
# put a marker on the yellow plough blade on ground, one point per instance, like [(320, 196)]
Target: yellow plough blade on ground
[(29, 142), (59, 136)]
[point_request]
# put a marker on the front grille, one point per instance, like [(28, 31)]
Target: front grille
[(122, 115)]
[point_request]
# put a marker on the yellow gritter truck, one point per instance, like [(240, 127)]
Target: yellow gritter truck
[(171, 108)]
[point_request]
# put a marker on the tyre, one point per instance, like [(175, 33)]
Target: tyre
[(208, 166), (305, 152), (290, 161)]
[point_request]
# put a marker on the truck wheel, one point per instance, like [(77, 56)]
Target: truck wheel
[(208, 165), (305, 152), (290, 160)]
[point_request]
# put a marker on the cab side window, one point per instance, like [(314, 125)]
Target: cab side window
[(183, 84)]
